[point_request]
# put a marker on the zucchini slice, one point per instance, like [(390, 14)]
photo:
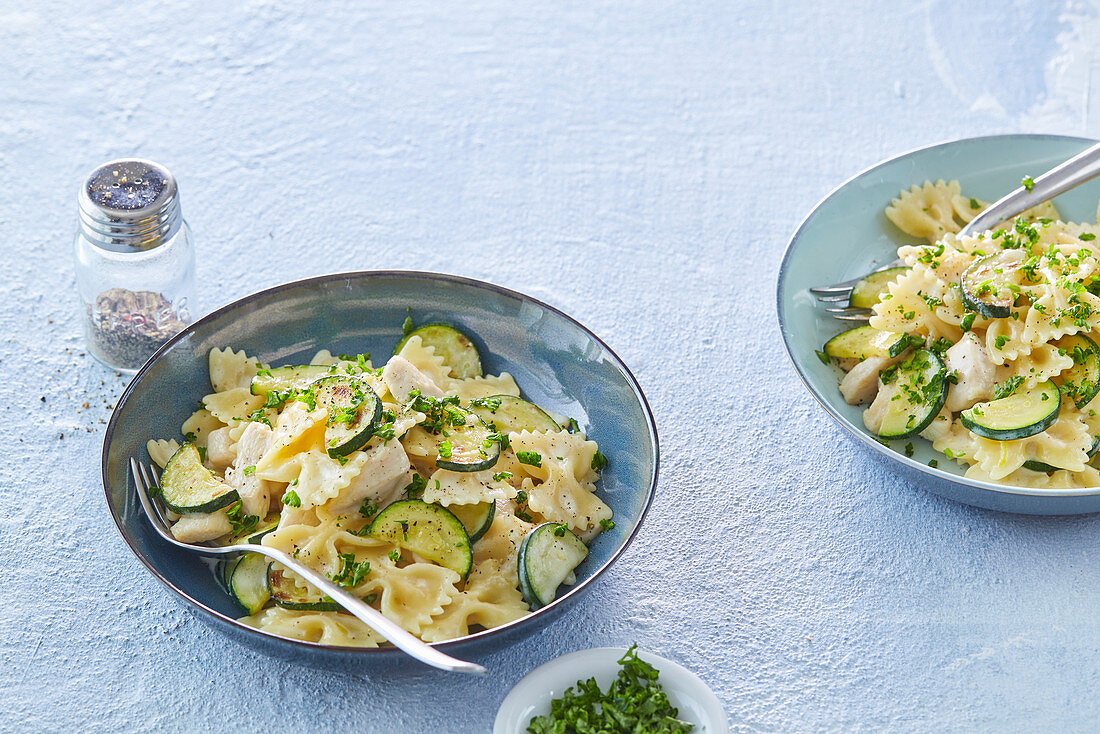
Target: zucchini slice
[(1081, 382), (866, 341), (547, 555), (456, 349), (246, 579), (429, 530), (511, 414), (475, 518), (916, 391), (290, 595), (294, 377), (867, 291), (188, 486), (354, 411), (467, 447), (1019, 415), (989, 286)]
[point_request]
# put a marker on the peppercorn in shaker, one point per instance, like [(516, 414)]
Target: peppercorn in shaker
[(135, 262)]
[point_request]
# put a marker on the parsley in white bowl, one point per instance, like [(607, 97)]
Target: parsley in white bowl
[(681, 694)]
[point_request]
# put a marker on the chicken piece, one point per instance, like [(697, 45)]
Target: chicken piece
[(876, 413), (402, 377), (255, 492), (939, 427), (200, 527), (384, 475), (220, 449), (977, 373), (861, 383)]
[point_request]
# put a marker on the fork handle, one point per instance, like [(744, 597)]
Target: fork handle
[(393, 632), (1078, 169)]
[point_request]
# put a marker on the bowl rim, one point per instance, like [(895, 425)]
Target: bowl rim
[(499, 631), (862, 436)]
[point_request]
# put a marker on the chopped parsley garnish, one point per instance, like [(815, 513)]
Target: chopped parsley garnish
[(439, 412), (909, 450), (521, 510), (240, 523), (414, 488), (351, 573), (941, 345), (606, 524), (291, 499), (820, 355), (1007, 387), (531, 458), (369, 508), (599, 461), (975, 204), (572, 426), (490, 403), (445, 449), (395, 555), (560, 530), (1027, 182), (634, 702), (1086, 236), (250, 470), (1000, 341), (499, 438), (407, 325), (500, 476)]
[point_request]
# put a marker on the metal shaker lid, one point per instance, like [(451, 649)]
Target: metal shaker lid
[(129, 205)]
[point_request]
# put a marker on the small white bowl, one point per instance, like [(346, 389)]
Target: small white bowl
[(531, 697)]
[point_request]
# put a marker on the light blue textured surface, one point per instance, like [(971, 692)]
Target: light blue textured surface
[(638, 165)]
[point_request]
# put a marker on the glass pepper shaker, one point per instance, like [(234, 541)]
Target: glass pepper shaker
[(135, 262)]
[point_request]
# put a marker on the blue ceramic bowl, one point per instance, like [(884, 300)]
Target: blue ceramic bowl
[(556, 362), (847, 234)]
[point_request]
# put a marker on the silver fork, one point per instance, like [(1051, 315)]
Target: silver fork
[(145, 477), (1081, 168)]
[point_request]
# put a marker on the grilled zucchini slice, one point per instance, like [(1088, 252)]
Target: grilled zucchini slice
[(1019, 415), (189, 487)]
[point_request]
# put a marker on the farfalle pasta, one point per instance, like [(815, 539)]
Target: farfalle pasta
[(986, 345), (328, 461)]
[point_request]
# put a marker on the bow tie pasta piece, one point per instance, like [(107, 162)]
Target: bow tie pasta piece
[(425, 360), (490, 599), (326, 628), (229, 369), (233, 405), (297, 431), (161, 451), (466, 488)]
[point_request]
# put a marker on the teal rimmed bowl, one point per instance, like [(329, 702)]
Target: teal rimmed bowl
[(555, 360), (847, 235)]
